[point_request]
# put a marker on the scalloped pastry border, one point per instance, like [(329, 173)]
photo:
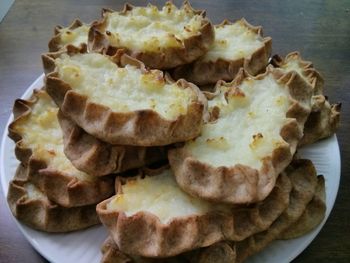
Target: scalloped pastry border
[(240, 184), (55, 42), (192, 47), (209, 72), (62, 188), (99, 158), (45, 215), (137, 128), (144, 234)]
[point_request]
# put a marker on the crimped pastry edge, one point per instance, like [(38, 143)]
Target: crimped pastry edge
[(209, 72), (45, 215), (144, 234), (240, 184), (137, 128), (62, 188), (192, 48)]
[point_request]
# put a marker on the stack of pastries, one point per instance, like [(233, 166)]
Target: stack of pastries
[(178, 135)]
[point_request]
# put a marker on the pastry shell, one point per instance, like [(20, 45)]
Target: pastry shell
[(143, 233), (191, 47), (304, 180), (99, 158), (42, 214), (324, 117), (206, 72), (61, 187), (239, 184), (138, 128), (55, 43)]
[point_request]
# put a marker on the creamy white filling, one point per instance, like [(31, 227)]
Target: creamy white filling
[(123, 89), (148, 29), (42, 134), (34, 193), (234, 42), (161, 196), (249, 125), (75, 36)]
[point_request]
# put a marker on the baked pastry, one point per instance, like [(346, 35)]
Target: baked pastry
[(256, 124), (32, 207), (99, 158), (161, 39), (219, 252), (39, 146), (324, 118), (312, 216), (237, 45), (150, 216), (304, 180), (123, 105), (76, 34)]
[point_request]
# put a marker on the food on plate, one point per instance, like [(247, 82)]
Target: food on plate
[(99, 158), (324, 117), (255, 126), (32, 207), (151, 216), (237, 45), (161, 39), (39, 146), (127, 105), (76, 34)]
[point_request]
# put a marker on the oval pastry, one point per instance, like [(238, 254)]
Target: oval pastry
[(237, 45), (123, 105), (39, 145), (256, 124), (161, 39)]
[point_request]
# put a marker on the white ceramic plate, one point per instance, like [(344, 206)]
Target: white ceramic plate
[(84, 246)]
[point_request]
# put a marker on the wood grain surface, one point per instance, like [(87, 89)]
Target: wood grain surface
[(320, 30)]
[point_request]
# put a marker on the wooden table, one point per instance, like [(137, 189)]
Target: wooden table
[(320, 30)]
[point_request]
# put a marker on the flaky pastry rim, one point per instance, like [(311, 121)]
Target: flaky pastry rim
[(45, 215), (191, 49), (55, 42), (60, 187), (224, 184), (138, 128), (202, 72), (99, 158), (144, 234)]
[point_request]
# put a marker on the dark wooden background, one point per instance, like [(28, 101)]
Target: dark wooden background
[(320, 30)]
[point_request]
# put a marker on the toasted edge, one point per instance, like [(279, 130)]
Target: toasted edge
[(43, 214), (202, 72), (137, 128), (64, 189), (192, 47), (144, 234), (99, 158), (239, 184)]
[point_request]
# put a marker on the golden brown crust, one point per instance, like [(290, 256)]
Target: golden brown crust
[(138, 128), (310, 73), (312, 216), (41, 213), (324, 118), (218, 252), (304, 180), (206, 72), (61, 187), (99, 158), (191, 49), (145, 235), (55, 43), (239, 183)]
